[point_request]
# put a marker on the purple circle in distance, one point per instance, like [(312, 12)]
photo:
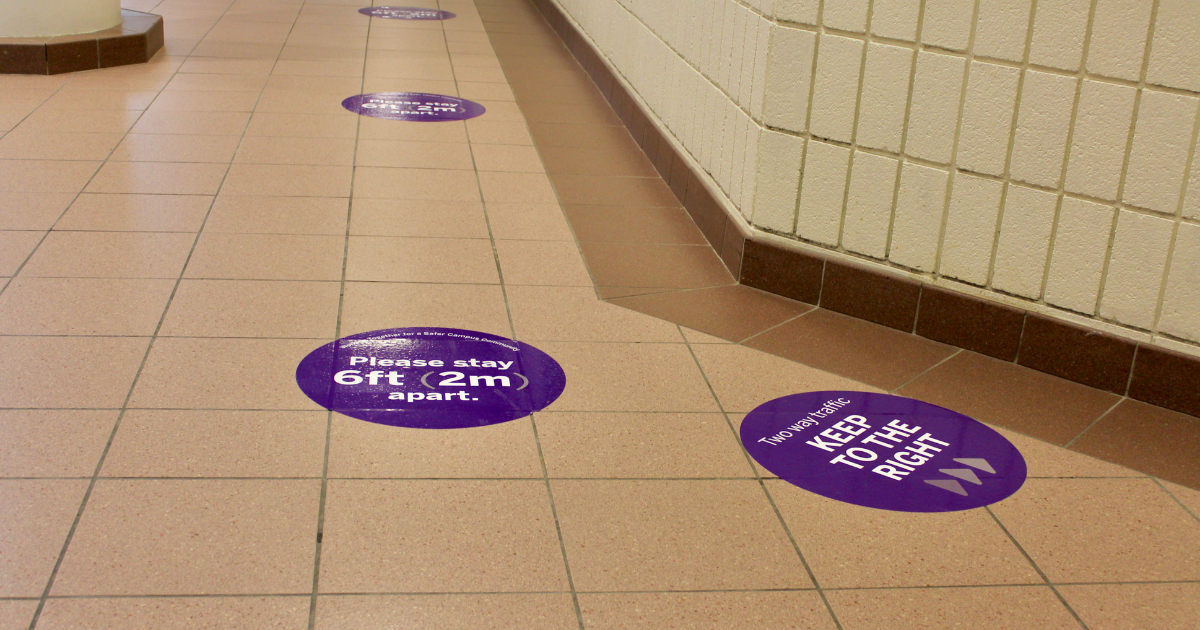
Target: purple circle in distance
[(882, 451), (413, 106), (431, 378), (406, 13)]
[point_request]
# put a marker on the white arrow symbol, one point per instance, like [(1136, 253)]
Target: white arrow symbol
[(974, 462), (966, 474), (947, 484)]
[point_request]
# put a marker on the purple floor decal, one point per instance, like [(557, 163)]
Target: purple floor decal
[(414, 106), (431, 378), (406, 13), (882, 451)]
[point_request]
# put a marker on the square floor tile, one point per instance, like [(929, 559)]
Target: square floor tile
[(655, 265), (634, 224), (249, 308), (182, 613), (744, 378), (83, 306), (279, 124), (17, 614), (136, 213), (156, 121), (267, 257), (15, 247), (1048, 460), (429, 184), (160, 147), (674, 535), (640, 445), (110, 255), (531, 188), (49, 145), (1103, 530), (613, 191), (406, 217), (1146, 438), (509, 611), (189, 373), (576, 314), (201, 536), (171, 443), (59, 443), (629, 377), (538, 222), (498, 132), (205, 101), (764, 610), (619, 162), (999, 608), (37, 516), (857, 349), (288, 180), (381, 129), (290, 150), (733, 312), (364, 449), (554, 263), (1011, 396), (48, 176), (439, 537), (72, 372), (409, 154), (279, 215), (378, 305), (1135, 606), (401, 259), (159, 178), (903, 549), (512, 158), (32, 211)]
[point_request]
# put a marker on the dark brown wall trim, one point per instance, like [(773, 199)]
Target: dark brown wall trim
[(135, 40), (1075, 353)]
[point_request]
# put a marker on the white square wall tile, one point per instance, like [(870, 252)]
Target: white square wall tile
[(822, 189), (932, 118), (1024, 244), (1181, 302), (766, 34), (884, 97), (1174, 54), (1042, 125), (1119, 38), (947, 23), (1058, 30), (835, 89), (1191, 200), (869, 204), (725, 54), (778, 181), (1161, 138), (987, 118), (971, 228), (920, 204), (802, 11), (1101, 134), (1002, 28), (896, 19), (748, 54), (1135, 269), (788, 74), (1077, 259), (750, 169), (846, 15)]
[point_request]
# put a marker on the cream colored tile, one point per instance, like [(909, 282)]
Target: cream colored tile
[(406, 217), (249, 214), (117, 212), (83, 306), (58, 443), (250, 308), (440, 260), (175, 613)]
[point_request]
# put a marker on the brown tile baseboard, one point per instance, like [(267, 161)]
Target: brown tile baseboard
[(138, 37), (1086, 356)]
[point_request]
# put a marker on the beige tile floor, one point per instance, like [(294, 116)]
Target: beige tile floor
[(175, 236)]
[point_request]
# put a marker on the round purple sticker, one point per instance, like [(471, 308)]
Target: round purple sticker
[(882, 451), (416, 106), (431, 378), (406, 13)]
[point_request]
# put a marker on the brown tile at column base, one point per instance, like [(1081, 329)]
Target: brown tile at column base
[(71, 54), (654, 265), (732, 312), (608, 293), (1077, 354), (707, 213), (22, 56), (970, 323), (1166, 379), (783, 272), (633, 224), (731, 249), (868, 295), (850, 347), (1014, 397), (1147, 439)]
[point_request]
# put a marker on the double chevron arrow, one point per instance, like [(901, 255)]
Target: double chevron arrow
[(965, 474)]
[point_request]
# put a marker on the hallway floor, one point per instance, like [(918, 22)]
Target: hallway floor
[(176, 236)]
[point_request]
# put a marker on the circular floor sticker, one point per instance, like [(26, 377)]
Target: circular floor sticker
[(431, 378), (416, 106), (406, 13), (882, 451)]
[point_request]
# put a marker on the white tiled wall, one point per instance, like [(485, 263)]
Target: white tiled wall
[(1039, 151)]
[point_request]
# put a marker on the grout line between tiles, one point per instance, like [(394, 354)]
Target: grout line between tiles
[(1075, 439)]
